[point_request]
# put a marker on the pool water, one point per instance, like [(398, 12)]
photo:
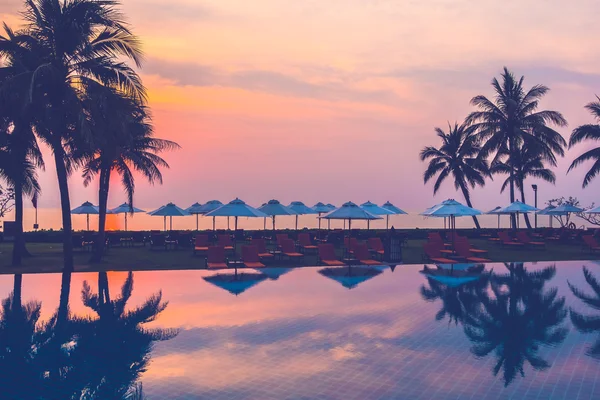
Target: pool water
[(516, 331)]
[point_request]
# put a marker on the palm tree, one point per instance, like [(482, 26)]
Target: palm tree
[(517, 316), (117, 347), (78, 44), (124, 143), (587, 323), (512, 122), (588, 132), (526, 163), (19, 152), (457, 156)]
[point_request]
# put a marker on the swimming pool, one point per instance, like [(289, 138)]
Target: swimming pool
[(515, 332)]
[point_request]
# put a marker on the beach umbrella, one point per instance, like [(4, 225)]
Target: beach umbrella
[(195, 209), (517, 208), (350, 277), (86, 208), (236, 283), (300, 209), (236, 208), (389, 206), (125, 209), (376, 210), (350, 211), (274, 208), (321, 208), (593, 211), (564, 209), (169, 210), (545, 211), (450, 209), (330, 206), (497, 211), (208, 207)]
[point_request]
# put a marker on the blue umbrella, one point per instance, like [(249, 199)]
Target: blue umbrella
[(208, 207), (236, 208), (389, 206), (517, 208), (497, 211), (375, 209), (237, 283), (195, 209), (450, 209), (86, 208), (350, 277), (169, 210), (593, 211), (274, 208), (330, 206), (125, 209), (300, 209), (321, 208)]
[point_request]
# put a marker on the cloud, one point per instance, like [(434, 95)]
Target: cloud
[(258, 80)]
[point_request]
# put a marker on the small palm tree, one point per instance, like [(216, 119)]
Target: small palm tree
[(124, 143), (588, 323), (457, 156), (527, 163), (512, 122), (588, 132)]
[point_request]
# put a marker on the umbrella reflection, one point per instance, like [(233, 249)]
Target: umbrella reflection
[(350, 277), (236, 283)]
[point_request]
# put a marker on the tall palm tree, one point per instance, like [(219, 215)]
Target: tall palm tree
[(527, 163), (512, 122), (124, 144), (79, 44), (588, 323), (457, 156), (118, 346), (588, 132), (19, 152), (517, 315)]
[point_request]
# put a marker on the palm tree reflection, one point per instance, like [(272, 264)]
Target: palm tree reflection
[(514, 318), (588, 323)]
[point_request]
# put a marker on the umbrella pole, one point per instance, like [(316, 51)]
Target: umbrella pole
[(368, 225), (165, 223), (236, 219), (387, 222), (170, 222), (296, 221), (273, 224), (498, 221), (125, 222), (214, 223), (196, 222), (328, 224), (88, 221), (228, 228), (265, 223)]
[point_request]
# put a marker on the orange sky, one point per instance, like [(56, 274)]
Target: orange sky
[(332, 101)]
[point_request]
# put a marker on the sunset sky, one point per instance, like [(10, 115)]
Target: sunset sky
[(333, 100)]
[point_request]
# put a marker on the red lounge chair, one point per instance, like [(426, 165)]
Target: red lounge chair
[(288, 249), (361, 253), (462, 249), (524, 238), (225, 241), (327, 255), (349, 243), (216, 257), (376, 246), (250, 257), (262, 248), (280, 237), (305, 242), (591, 243), (201, 243), (473, 249), (432, 251), (507, 240)]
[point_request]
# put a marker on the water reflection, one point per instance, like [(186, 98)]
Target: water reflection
[(78, 357), (514, 317), (588, 323)]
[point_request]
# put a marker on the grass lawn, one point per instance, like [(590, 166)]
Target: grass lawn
[(47, 257)]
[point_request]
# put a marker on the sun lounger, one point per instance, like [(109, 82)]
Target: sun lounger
[(432, 252), (506, 240), (327, 255), (288, 249), (262, 249), (280, 237), (215, 257), (201, 243), (591, 243), (225, 241), (376, 246), (250, 257), (526, 240), (361, 253), (462, 249), (305, 242), (476, 252), (349, 243)]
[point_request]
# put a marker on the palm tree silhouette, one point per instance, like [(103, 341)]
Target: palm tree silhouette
[(512, 122), (18, 333), (115, 344), (515, 317), (457, 301), (587, 323), (457, 156), (588, 132)]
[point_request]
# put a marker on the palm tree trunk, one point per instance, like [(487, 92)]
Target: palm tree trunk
[(522, 189), (513, 218), (19, 243), (102, 206), (65, 204), (17, 285), (465, 193)]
